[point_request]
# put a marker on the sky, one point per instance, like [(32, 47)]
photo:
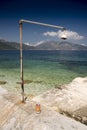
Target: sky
[(71, 14)]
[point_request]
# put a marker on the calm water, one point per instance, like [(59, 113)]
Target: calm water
[(43, 70)]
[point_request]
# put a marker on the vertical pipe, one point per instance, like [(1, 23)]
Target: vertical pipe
[(21, 65)]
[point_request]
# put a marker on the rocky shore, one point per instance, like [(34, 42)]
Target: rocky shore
[(57, 107), (70, 99)]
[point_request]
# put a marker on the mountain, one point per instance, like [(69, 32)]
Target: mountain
[(53, 45), (47, 45), (6, 45)]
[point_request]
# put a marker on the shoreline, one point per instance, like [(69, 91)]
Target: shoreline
[(69, 99), (16, 115)]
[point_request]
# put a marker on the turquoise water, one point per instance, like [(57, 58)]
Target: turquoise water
[(43, 70)]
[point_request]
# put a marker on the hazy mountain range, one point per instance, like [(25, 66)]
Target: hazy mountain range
[(48, 45), (52, 45), (6, 45)]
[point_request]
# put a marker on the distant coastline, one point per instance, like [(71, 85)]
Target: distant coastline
[(48, 45)]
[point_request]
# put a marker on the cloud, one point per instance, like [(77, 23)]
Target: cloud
[(69, 34), (53, 34)]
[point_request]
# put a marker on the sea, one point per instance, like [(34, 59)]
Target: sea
[(42, 69)]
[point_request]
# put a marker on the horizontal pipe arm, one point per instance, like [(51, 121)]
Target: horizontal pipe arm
[(43, 24)]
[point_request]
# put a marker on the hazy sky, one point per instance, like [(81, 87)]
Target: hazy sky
[(71, 14)]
